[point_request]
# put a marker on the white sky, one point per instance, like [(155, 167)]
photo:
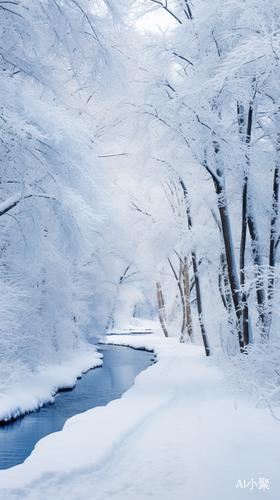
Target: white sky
[(159, 20)]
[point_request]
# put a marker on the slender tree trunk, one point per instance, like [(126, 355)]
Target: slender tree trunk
[(231, 264), (248, 218), (260, 287), (184, 289), (161, 310), (220, 280), (199, 304), (224, 285), (245, 218), (197, 281), (218, 180), (242, 259), (226, 296), (183, 328), (186, 283), (223, 279), (273, 236)]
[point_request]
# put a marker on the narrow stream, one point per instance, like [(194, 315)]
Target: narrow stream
[(96, 388)]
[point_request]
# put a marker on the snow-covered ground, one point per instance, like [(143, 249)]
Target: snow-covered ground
[(177, 434), (39, 388)]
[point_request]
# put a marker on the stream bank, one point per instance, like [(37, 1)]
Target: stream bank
[(96, 388)]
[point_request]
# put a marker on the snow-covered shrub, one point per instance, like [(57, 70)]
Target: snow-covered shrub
[(256, 373)]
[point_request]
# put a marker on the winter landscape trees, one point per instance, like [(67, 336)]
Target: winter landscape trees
[(212, 111), (54, 256), (151, 151)]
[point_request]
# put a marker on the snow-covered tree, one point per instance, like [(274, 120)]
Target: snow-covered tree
[(58, 60), (207, 107)]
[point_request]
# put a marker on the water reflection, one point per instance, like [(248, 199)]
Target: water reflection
[(96, 388)]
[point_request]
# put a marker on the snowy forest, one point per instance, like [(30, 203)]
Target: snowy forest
[(139, 162)]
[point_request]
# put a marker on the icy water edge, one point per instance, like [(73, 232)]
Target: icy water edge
[(96, 388)]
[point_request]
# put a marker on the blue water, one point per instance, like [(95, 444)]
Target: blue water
[(96, 388)]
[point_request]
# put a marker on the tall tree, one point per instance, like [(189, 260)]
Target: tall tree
[(209, 61)]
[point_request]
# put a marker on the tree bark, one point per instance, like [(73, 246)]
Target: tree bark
[(196, 279), (225, 287), (186, 283), (242, 259), (199, 305), (260, 289), (273, 236), (183, 328), (161, 309), (245, 217), (248, 218), (231, 264)]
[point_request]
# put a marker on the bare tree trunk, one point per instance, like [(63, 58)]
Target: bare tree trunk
[(218, 180), (245, 219), (186, 283), (231, 264), (223, 279), (197, 281), (225, 292), (260, 289), (223, 282), (184, 289), (273, 236), (161, 309), (183, 328), (199, 305), (242, 260), (249, 218)]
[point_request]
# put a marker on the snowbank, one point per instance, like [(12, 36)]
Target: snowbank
[(137, 326), (38, 389), (178, 433)]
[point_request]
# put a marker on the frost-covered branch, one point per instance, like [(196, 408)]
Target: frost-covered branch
[(219, 180), (182, 57), (11, 202), (165, 7), (88, 19), (8, 10)]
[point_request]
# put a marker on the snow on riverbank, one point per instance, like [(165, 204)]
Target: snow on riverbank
[(177, 434), (38, 389)]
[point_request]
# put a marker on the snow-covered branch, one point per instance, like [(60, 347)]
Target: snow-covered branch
[(166, 8), (11, 202)]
